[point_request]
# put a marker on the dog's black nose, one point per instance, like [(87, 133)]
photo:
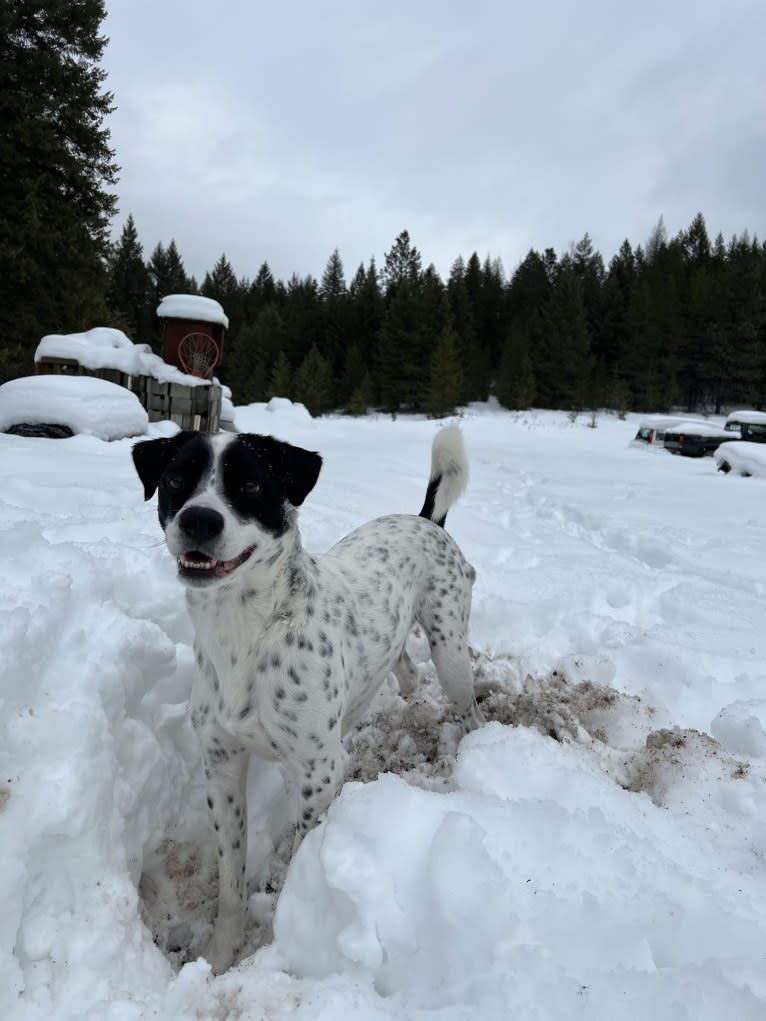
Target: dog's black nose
[(200, 523)]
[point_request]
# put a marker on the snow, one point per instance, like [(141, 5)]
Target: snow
[(106, 348), (691, 427), (751, 417), (597, 850), (192, 306), (742, 457), (85, 404)]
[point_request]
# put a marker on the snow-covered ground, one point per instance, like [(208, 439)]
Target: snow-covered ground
[(596, 851)]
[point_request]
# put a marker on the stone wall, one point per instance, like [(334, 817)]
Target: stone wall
[(191, 407)]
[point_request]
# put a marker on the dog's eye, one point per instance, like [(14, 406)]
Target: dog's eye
[(250, 488), (173, 481)]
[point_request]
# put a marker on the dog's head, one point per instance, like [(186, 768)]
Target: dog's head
[(222, 498)]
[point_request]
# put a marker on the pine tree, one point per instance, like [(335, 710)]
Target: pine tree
[(281, 379), (365, 313), (401, 370), (569, 329), (402, 265), (129, 294), (178, 281), (58, 168), (354, 370), (313, 384), (257, 350), (445, 385), (302, 315), (515, 382), (223, 286), (362, 396), (335, 308)]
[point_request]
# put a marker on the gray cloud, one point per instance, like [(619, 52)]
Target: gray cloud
[(279, 134)]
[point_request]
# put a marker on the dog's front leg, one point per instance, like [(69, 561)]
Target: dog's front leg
[(319, 782), (226, 762)]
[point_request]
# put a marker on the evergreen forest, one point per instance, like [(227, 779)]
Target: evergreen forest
[(673, 322)]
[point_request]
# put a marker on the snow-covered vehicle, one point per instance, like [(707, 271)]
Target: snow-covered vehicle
[(61, 406), (747, 425), (651, 430), (742, 458), (695, 439)]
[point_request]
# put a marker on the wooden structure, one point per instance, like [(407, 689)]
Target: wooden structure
[(192, 407), (193, 331)]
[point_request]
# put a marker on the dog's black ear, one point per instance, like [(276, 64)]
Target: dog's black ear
[(151, 458), (295, 468)]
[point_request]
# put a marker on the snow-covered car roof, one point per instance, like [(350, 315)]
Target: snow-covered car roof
[(83, 403), (751, 417), (743, 458), (693, 427), (659, 422), (192, 306)]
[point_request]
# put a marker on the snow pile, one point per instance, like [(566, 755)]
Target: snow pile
[(597, 850), (228, 414), (106, 348), (83, 403), (277, 414), (742, 458), (446, 900), (192, 306)]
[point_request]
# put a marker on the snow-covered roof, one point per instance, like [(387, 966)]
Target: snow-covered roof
[(106, 348), (192, 306), (84, 403), (751, 417)]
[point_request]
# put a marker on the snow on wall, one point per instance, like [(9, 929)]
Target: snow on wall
[(192, 306), (107, 348)]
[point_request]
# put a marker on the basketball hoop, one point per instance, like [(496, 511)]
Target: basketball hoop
[(198, 354)]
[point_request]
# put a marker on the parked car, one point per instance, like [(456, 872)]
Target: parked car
[(741, 457), (747, 425), (651, 430), (696, 439)]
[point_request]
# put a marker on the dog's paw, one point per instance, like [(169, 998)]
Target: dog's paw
[(219, 953), (473, 718)]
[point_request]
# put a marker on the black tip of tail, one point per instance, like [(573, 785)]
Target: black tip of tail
[(430, 500)]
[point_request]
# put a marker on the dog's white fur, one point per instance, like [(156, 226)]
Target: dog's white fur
[(292, 647)]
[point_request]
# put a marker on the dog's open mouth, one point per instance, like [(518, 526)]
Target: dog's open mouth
[(198, 565)]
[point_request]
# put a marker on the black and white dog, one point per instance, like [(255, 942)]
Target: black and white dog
[(292, 647)]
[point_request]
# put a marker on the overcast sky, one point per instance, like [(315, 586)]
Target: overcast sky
[(278, 132)]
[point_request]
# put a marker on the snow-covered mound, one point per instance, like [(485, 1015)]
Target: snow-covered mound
[(83, 403), (742, 458), (596, 851), (277, 414), (107, 348)]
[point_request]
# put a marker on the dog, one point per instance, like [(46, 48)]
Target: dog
[(292, 647)]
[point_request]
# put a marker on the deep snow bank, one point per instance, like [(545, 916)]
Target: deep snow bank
[(602, 859)]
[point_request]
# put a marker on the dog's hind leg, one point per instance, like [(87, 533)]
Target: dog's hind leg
[(453, 668), (226, 764), (406, 673)]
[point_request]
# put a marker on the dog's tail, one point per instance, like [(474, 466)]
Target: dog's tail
[(449, 474)]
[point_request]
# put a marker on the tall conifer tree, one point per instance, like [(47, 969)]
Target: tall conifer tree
[(58, 169)]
